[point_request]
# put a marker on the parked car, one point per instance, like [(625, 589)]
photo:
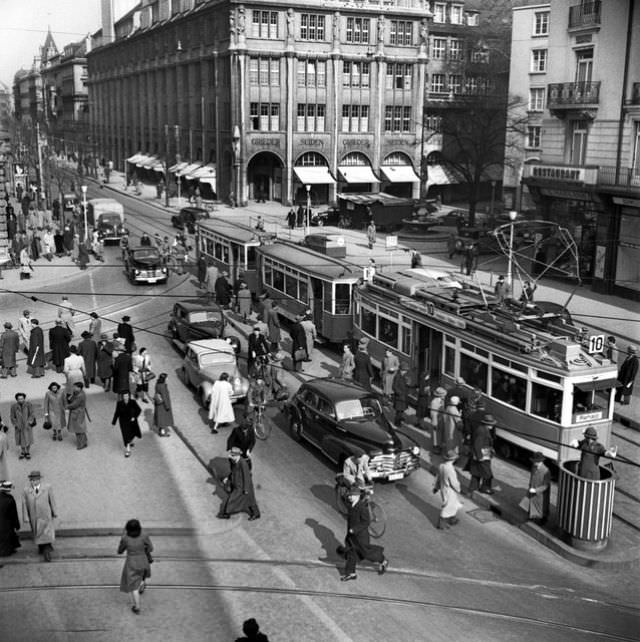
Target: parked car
[(342, 418), (204, 362), (192, 320), (187, 218), (144, 264)]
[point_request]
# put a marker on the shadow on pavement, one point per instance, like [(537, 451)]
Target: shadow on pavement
[(328, 540), (430, 512)]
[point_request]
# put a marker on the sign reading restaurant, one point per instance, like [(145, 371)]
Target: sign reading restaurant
[(564, 173)]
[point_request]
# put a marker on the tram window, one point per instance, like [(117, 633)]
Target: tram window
[(406, 340), (368, 321), (388, 332), (508, 388), (546, 402), (291, 285), (209, 246), (449, 361), (303, 290), (590, 401), (251, 258), (278, 280), (343, 298), (550, 377), (268, 274), (474, 372), (449, 339)]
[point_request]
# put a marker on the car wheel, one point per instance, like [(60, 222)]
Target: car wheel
[(295, 427)]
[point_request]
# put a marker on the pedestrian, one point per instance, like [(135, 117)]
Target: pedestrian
[(390, 365), (4, 451), (220, 406), (162, 409), (126, 414), (74, 369), (470, 259), (54, 410), (272, 320), (9, 522), (243, 436), (310, 333), (67, 239), (104, 369), (88, 350), (83, 255), (95, 326), (291, 218), (202, 269), (300, 216), (39, 509), (76, 404), (9, 346), (239, 487), (371, 234), (244, 301), (210, 281), (298, 343), (223, 290), (179, 251), (137, 567), (59, 339), (24, 330), (452, 424), (416, 259), (626, 375), (527, 293), (252, 633), (611, 350), (141, 364), (25, 264), (125, 331), (257, 350), (260, 223), (501, 290), (66, 314), (448, 485), (590, 452), (400, 391), (481, 456), (23, 419), (348, 364), (357, 545), (145, 240), (121, 369), (539, 493), (424, 399), (97, 245), (363, 372)]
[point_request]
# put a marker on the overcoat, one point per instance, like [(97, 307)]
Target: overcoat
[(88, 350), (452, 427), (24, 330), (136, 567), (244, 437), (357, 538), (105, 360), (9, 346), (162, 412), (59, 339), (448, 485), (36, 357), (310, 335), (223, 290), (540, 480), (9, 524), (390, 365), (244, 302), (400, 391), (95, 327), (77, 412), (121, 369), (590, 453), (627, 374), (348, 366), (54, 408), (270, 317), (40, 510), (22, 418), (126, 414), (4, 454), (298, 339), (363, 372), (125, 331), (241, 497), (74, 371), (481, 453), (220, 407)]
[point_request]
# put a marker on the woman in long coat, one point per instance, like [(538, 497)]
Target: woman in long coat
[(310, 334), (244, 301), (39, 510), (448, 485), (88, 350), (121, 369), (127, 413), (59, 338), (162, 412), (54, 409), (220, 407), (74, 369), (9, 522), (105, 361), (36, 359), (136, 568), (76, 404), (239, 484), (481, 455), (23, 420), (348, 363)]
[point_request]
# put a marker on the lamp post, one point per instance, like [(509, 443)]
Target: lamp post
[(306, 222), (512, 217), (493, 197), (84, 209), (235, 141)]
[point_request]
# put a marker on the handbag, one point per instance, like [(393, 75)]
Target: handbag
[(148, 375), (33, 421), (46, 424), (300, 354)]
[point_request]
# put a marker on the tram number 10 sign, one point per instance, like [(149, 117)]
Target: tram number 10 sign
[(596, 343)]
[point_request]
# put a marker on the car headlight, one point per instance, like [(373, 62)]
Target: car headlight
[(137, 272), (416, 450), (164, 270)]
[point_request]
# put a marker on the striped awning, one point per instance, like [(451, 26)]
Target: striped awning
[(400, 174)]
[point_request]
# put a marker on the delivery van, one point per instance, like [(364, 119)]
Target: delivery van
[(107, 216)]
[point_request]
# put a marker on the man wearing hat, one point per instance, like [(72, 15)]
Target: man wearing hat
[(436, 417), (9, 522), (452, 424), (39, 509), (105, 361), (627, 375), (257, 349), (239, 485), (88, 350), (125, 331), (35, 357), (363, 373), (591, 451), (9, 346), (59, 339), (400, 390), (481, 455), (298, 343), (223, 290), (448, 485), (539, 492), (24, 329)]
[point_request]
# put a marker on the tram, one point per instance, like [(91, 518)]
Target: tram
[(299, 278), (532, 365), (232, 247)]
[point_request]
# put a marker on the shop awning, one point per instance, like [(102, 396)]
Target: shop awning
[(178, 167), (400, 174), (210, 181), (158, 166), (357, 174), (314, 175), (602, 384), (442, 175), (148, 162), (142, 159), (135, 158), (189, 169), (206, 171)]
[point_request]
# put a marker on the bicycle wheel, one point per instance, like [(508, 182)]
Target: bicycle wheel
[(378, 524), (262, 428), (341, 504)]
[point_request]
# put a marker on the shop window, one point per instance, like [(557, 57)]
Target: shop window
[(473, 371), (508, 388), (546, 402)]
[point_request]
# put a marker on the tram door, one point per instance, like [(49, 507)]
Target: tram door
[(427, 350), (316, 295)]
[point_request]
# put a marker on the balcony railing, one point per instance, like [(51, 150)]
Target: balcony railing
[(624, 177), (586, 14), (569, 94)]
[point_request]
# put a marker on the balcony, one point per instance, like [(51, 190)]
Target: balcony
[(567, 98), (585, 15), (623, 177)]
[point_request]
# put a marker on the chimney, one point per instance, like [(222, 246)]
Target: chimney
[(107, 22)]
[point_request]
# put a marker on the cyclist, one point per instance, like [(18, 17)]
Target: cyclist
[(355, 471), (256, 396), (258, 350)]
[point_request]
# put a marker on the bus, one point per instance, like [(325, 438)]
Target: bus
[(231, 246), (299, 279), (534, 368)]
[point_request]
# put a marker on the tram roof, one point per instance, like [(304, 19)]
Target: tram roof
[(232, 230), (315, 263)]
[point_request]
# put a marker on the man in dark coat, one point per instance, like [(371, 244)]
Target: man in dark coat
[(223, 290), (400, 393), (121, 369), (59, 339), (243, 436), (36, 359), (9, 522), (88, 350), (299, 343), (257, 348), (481, 455), (9, 346), (125, 331), (363, 374), (627, 376), (357, 545), (239, 484)]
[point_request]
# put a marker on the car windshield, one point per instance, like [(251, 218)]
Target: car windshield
[(202, 316), (146, 254), (110, 219), (217, 359), (358, 408)]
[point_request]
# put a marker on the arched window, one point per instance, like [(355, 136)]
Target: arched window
[(312, 159), (434, 158), (397, 158), (355, 159)]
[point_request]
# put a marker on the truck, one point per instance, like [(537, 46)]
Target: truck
[(107, 216)]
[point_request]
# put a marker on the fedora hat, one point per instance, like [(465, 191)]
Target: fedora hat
[(452, 454), (35, 474), (489, 420), (440, 392), (537, 456), (591, 432), (235, 451)]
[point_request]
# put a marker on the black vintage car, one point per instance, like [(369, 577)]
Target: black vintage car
[(144, 264), (187, 218), (192, 320), (342, 418)]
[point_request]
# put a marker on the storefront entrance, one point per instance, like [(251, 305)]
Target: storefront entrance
[(264, 177)]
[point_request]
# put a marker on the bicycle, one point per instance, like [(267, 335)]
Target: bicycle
[(261, 427), (377, 516)]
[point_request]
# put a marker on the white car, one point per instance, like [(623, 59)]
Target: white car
[(205, 361)]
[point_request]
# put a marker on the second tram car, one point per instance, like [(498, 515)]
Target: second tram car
[(531, 364)]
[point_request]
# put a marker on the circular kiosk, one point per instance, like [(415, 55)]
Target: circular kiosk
[(585, 506)]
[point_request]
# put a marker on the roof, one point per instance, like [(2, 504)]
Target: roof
[(211, 345), (233, 231), (192, 305), (338, 389)]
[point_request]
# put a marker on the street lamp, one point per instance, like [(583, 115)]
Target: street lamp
[(235, 142), (308, 188), (512, 217), (493, 197), (84, 208)]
